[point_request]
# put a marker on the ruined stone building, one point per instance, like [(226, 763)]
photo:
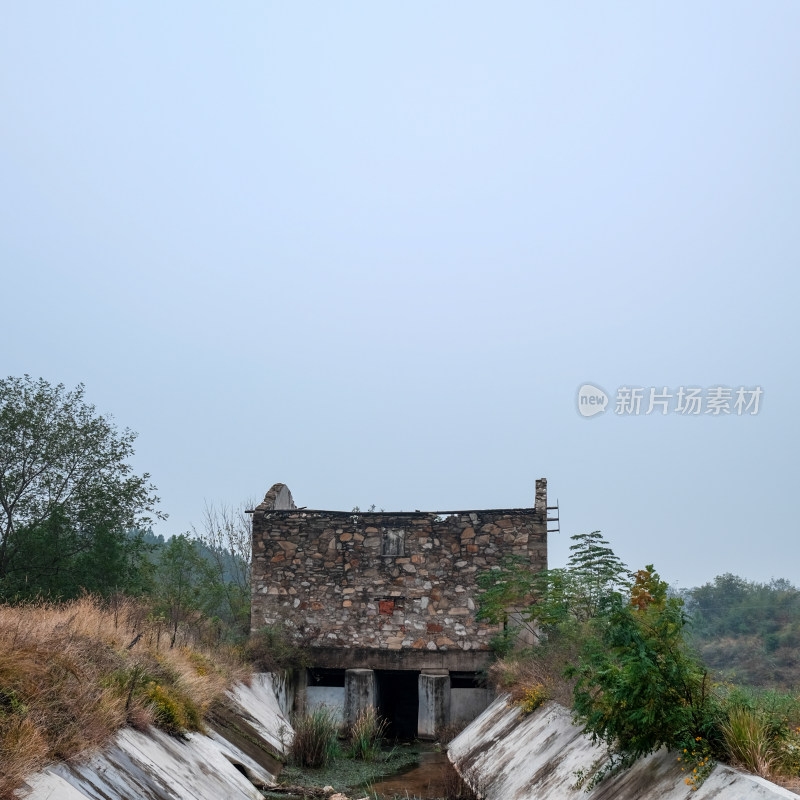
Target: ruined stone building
[(387, 601)]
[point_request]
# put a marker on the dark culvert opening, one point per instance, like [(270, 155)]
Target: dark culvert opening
[(398, 702), (326, 677), (467, 680)]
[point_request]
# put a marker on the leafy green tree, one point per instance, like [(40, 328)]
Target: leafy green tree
[(638, 685), (68, 495), (512, 586), (114, 563), (55, 567), (543, 602), (182, 583), (596, 573)]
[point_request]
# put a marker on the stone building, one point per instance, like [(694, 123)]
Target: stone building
[(387, 601)]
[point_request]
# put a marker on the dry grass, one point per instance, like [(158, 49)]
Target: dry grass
[(790, 782), (520, 676), (446, 733), (366, 734), (70, 677), (749, 743)]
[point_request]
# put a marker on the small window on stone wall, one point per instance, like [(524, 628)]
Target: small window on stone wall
[(393, 543)]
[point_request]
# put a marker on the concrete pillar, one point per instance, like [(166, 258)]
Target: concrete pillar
[(359, 692), (297, 681), (434, 704)]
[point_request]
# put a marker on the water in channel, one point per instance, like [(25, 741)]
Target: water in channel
[(427, 780)]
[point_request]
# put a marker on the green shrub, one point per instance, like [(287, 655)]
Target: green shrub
[(639, 687), (760, 729), (775, 707), (273, 648), (202, 663), (790, 753), (697, 760), (173, 710), (10, 703), (532, 697)]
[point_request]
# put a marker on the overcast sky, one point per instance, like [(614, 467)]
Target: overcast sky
[(373, 250)]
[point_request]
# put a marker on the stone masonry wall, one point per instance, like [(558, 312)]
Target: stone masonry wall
[(393, 581)]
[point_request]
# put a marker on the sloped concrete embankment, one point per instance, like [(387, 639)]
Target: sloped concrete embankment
[(240, 752), (506, 756)]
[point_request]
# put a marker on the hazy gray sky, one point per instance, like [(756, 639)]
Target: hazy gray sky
[(372, 250)]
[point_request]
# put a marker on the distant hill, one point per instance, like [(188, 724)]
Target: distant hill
[(748, 632)]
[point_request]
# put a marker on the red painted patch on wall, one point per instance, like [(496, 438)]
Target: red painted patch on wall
[(386, 607)]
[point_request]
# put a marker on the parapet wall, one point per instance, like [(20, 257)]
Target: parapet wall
[(388, 581)]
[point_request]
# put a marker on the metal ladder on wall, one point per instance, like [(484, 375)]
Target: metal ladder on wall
[(554, 519)]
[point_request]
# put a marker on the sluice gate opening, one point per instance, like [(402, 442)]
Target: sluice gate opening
[(397, 696)]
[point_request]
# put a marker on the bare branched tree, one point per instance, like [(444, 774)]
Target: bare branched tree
[(226, 532)]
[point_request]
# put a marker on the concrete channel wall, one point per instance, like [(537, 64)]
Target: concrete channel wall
[(502, 754), (506, 756), (239, 752)]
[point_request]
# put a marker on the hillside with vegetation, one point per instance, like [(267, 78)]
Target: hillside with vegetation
[(75, 672), (747, 632)]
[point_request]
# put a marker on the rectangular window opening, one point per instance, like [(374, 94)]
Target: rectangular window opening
[(326, 677), (393, 543), (467, 680)]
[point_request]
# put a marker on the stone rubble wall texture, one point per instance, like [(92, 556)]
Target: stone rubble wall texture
[(507, 756), (325, 573), (150, 765)]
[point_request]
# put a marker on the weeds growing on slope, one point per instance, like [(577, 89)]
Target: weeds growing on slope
[(72, 674)]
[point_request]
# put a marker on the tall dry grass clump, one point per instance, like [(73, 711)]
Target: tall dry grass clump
[(526, 677), (749, 743), (539, 671), (72, 674), (316, 737), (366, 734)]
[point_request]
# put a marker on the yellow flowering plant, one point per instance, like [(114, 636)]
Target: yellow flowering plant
[(696, 761)]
